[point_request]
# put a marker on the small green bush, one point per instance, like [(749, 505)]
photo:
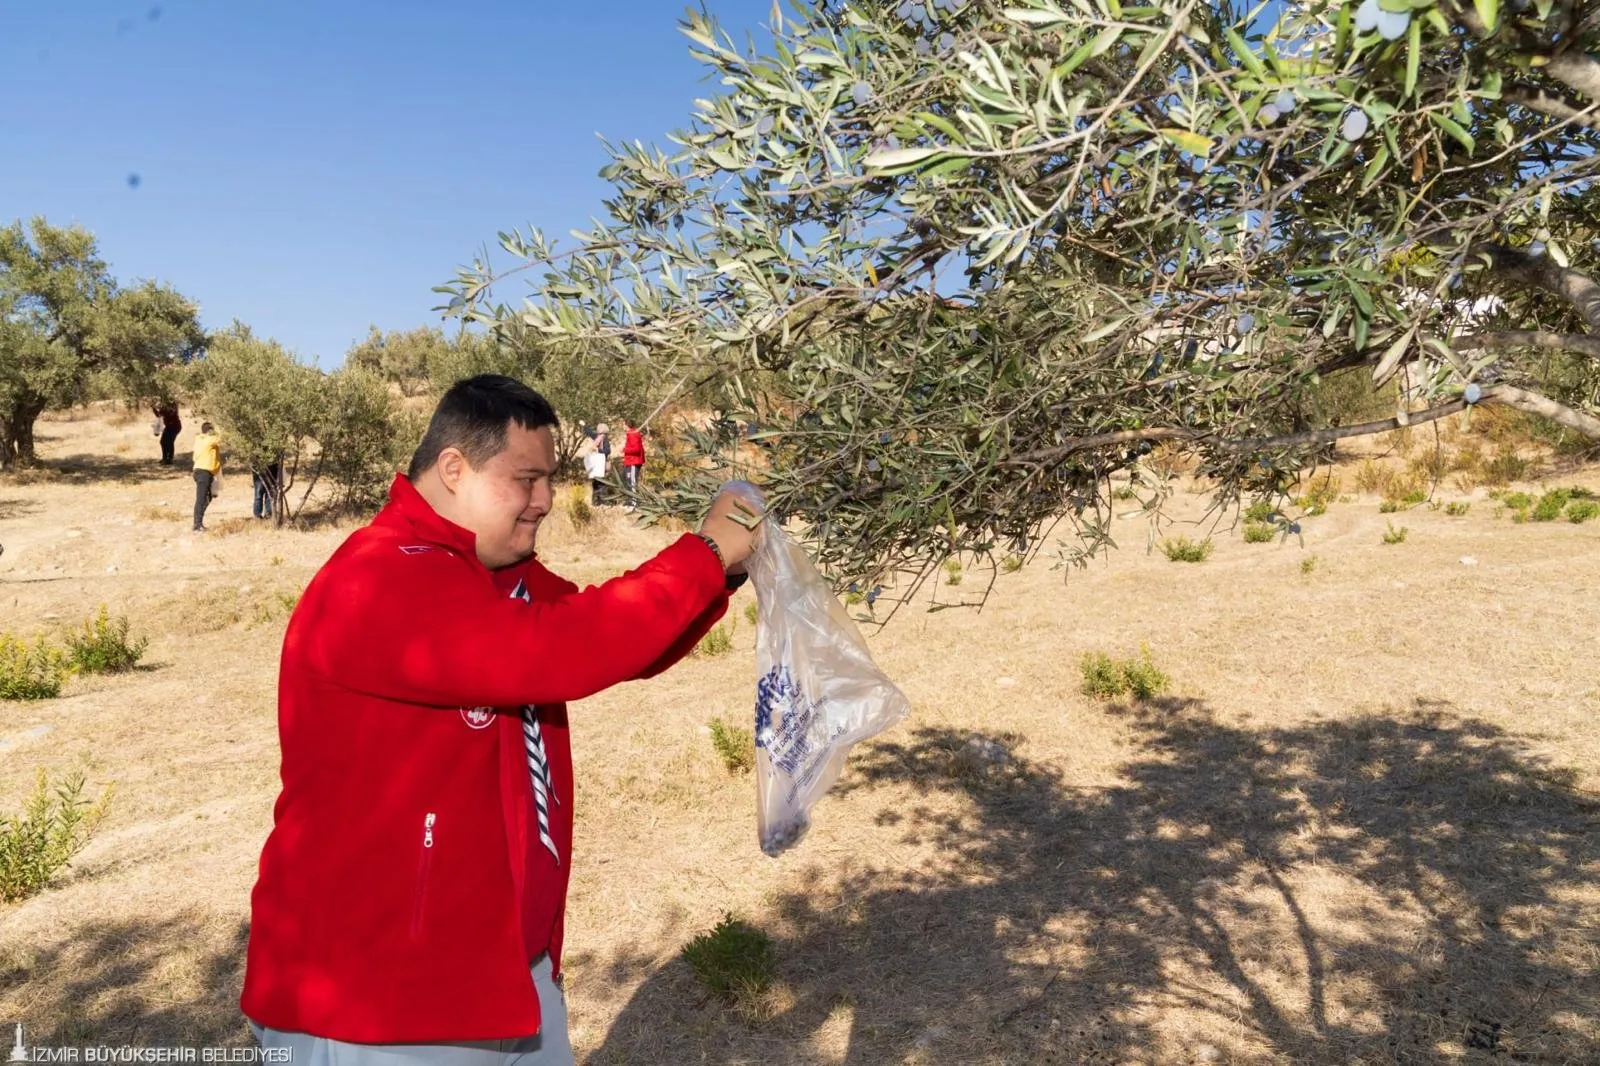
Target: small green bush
[(1145, 681), (1184, 550), (952, 572), (32, 671), (1395, 536), (1308, 565), (734, 959), (719, 641), (1124, 492), (734, 745), (1107, 678), (1517, 501), (1390, 507), (1260, 511), (1457, 508), (1414, 497), (1582, 510), (1011, 564), (1102, 676), (102, 645), (52, 828), (1550, 505), (852, 599), (750, 613), (1259, 532)]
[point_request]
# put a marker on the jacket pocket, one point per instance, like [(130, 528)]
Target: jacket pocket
[(419, 899)]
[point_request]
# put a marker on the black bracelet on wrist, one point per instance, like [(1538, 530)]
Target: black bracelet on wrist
[(730, 582), (712, 544)]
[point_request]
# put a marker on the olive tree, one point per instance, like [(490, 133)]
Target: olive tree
[(64, 320), (961, 262)]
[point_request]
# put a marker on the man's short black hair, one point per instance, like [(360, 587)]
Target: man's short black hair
[(472, 416)]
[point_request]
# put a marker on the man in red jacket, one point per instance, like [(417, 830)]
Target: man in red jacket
[(632, 459), (411, 893)]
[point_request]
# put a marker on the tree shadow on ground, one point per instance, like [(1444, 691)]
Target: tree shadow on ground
[(102, 469), (1387, 889), (17, 508), (154, 983)]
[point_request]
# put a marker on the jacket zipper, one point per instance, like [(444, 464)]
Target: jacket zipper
[(423, 864)]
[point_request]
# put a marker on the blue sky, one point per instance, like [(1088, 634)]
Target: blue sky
[(313, 167)]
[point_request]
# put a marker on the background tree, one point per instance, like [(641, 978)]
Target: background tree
[(64, 320), (404, 357), (363, 436), (964, 261), (268, 406)]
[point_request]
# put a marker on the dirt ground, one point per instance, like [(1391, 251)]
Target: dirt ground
[(1361, 829)]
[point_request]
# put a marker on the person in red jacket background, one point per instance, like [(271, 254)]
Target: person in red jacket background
[(632, 459), (411, 893)]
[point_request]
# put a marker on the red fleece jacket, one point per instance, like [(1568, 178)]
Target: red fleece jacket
[(393, 887)]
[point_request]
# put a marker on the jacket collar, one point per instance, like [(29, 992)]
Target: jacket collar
[(409, 510)]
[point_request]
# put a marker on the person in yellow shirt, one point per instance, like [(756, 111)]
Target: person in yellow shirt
[(207, 465)]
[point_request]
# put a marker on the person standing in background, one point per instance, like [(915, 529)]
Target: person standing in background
[(171, 425), (207, 465), (632, 459), (602, 446), (266, 487)]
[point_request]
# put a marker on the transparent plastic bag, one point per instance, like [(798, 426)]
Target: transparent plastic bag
[(818, 691)]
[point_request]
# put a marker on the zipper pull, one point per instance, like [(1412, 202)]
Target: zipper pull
[(427, 829)]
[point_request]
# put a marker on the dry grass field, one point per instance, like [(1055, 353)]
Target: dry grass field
[(1363, 827)]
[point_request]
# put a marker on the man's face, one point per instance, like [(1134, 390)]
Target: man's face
[(504, 500)]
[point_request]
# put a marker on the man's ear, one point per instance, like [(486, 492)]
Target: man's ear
[(452, 467)]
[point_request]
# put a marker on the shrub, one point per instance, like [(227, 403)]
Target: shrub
[(1430, 467), (579, 511), (750, 613), (1373, 477), (719, 641), (1395, 536), (1550, 505), (1506, 467), (1389, 507), (1518, 504), (1583, 510), (31, 671), (1011, 564), (1102, 676), (1144, 680), (1107, 678), (1260, 511), (1320, 494), (952, 571), (1457, 508), (1124, 492), (102, 646), (734, 745), (1259, 532), (1184, 550), (733, 960), (1308, 565), (52, 828)]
